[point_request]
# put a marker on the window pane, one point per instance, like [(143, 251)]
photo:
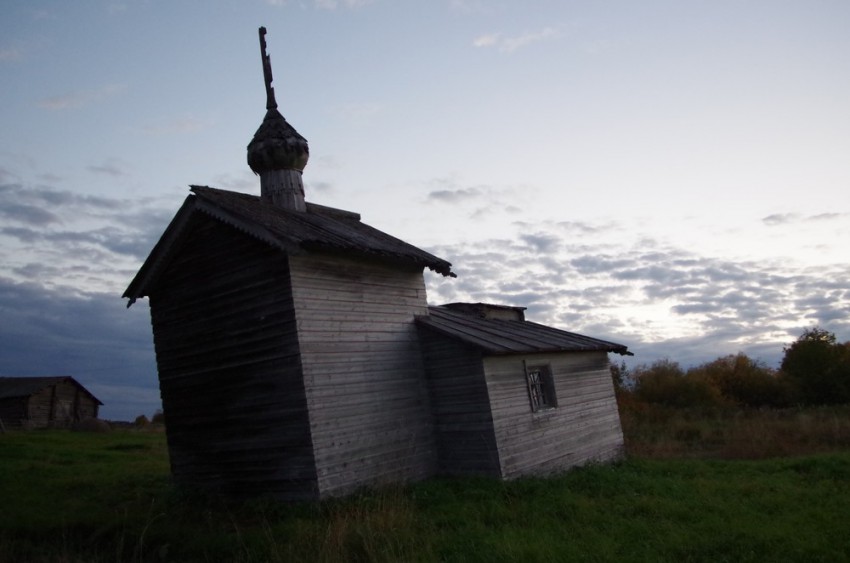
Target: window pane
[(541, 387)]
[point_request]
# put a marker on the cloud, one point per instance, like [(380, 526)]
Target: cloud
[(827, 217), (482, 200), (596, 264), (542, 242), (81, 98), (91, 241), (91, 337), (450, 191), (111, 167), (454, 195), (781, 219), (49, 177), (580, 227), (26, 213), (110, 239), (68, 257), (49, 197), (510, 44), (660, 300), (487, 40), (790, 218)]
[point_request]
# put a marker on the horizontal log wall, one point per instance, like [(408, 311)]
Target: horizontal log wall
[(585, 426), (229, 370), (59, 406), (363, 373), (460, 406), (13, 412), (86, 406), (45, 409)]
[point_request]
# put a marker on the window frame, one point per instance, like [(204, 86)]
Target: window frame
[(540, 382)]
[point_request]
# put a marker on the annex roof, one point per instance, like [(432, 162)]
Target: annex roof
[(11, 387), (495, 336), (320, 228)]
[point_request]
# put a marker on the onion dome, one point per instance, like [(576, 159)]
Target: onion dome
[(277, 153), (277, 145)]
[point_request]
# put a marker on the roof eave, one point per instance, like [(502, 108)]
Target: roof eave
[(152, 265), (595, 345), (159, 256)]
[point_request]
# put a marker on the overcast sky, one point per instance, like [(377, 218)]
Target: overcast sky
[(670, 175)]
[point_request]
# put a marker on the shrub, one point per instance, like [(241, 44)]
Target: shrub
[(141, 421), (744, 381), (91, 425), (620, 375), (818, 367), (665, 383), (158, 417)]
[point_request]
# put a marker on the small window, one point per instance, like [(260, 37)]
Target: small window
[(541, 387)]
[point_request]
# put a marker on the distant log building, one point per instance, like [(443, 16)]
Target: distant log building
[(298, 356), (45, 402)]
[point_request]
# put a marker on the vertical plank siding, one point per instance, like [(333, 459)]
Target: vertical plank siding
[(460, 406), (585, 426), (229, 369), (363, 373)]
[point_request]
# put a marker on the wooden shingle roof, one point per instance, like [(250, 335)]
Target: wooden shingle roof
[(497, 337), (320, 228)]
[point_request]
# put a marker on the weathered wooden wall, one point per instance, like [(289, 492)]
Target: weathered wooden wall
[(13, 411), (460, 406), (55, 406), (229, 371), (585, 425), (52, 406), (363, 373)]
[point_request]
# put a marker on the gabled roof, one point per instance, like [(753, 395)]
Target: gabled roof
[(320, 228), (25, 386), (494, 336)]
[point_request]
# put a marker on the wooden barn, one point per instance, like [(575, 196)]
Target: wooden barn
[(298, 357), (44, 402)]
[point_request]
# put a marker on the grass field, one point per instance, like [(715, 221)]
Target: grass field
[(683, 495)]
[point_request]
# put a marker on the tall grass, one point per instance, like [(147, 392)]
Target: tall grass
[(654, 431), (69, 497)]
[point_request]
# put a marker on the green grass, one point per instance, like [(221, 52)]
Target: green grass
[(69, 497)]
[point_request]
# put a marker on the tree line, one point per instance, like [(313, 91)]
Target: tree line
[(815, 370)]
